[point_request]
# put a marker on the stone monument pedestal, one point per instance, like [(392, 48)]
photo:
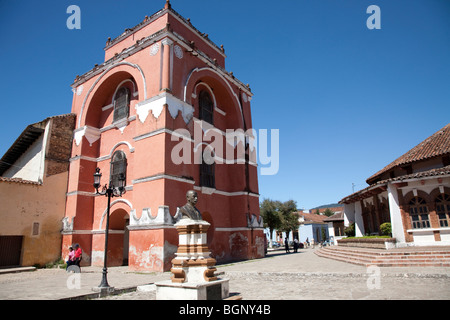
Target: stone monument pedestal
[(192, 269), (215, 290)]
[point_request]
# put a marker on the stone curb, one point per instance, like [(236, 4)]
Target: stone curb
[(237, 274), (96, 295), (16, 270)]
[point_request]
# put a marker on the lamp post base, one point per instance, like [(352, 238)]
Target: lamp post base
[(104, 287), (104, 290)]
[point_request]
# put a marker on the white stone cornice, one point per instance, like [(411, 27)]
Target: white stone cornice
[(76, 158), (92, 134), (162, 176), (156, 105), (167, 42), (105, 157), (210, 191), (81, 193), (163, 218)]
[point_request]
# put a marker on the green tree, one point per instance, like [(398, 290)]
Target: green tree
[(350, 230), (289, 216), (328, 212), (271, 217), (386, 229)]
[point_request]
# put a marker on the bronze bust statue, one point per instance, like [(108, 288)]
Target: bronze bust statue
[(189, 211)]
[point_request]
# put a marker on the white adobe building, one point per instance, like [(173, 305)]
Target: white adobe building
[(412, 193)]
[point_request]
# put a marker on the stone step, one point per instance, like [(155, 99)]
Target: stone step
[(369, 258), (386, 258), (387, 252), (432, 258), (353, 260), (392, 263), (17, 270)]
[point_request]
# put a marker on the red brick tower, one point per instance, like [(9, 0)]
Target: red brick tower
[(159, 79)]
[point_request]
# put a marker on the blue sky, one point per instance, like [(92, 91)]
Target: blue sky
[(346, 100)]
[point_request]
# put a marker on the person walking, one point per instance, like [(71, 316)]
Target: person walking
[(78, 255), (70, 258), (296, 245), (286, 245)]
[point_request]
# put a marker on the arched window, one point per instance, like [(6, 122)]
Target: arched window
[(207, 175), (443, 209), (207, 169), (118, 167), (121, 104), (206, 107), (418, 211)]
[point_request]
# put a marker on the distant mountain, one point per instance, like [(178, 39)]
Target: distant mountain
[(331, 205)]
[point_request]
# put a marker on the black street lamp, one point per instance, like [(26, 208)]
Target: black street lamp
[(108, 191)]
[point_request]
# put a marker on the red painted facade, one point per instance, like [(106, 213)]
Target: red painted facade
[(162, 67)]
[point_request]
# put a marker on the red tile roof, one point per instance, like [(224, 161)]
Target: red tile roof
[(312, 217), (436, 145), (19, 180), (378, 186), (338, 216)]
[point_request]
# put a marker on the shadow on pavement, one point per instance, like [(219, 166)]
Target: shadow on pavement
[(276, 253)]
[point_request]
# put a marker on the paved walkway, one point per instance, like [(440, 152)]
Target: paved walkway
[(301, 275)]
